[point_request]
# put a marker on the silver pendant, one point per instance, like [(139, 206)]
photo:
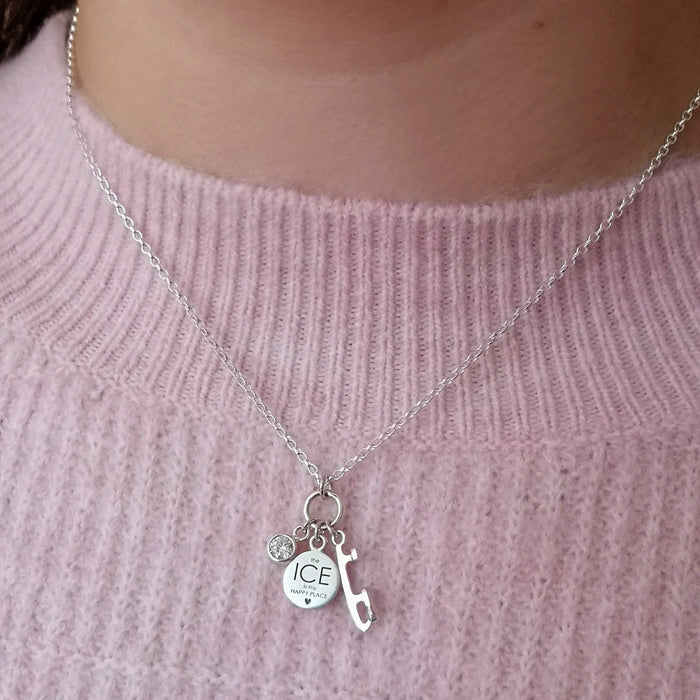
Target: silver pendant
[(312, 578), (353, 599)]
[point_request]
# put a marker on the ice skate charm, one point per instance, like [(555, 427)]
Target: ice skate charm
[(353, 599), (312, 578)]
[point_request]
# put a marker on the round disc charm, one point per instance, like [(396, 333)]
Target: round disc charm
[(281, 547), (311, 579)]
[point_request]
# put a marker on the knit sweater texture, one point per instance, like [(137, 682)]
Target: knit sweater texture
[(533, 533)]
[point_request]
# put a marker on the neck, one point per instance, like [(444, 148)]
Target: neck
[(407, 99)]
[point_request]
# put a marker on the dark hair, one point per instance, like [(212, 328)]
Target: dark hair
[(20, 20)]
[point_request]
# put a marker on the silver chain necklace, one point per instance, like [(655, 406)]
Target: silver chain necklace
[(312, 578)]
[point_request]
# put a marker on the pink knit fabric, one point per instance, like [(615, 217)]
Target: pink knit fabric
[(534, 533)]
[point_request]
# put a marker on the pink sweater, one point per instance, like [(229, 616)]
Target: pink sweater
[(534, 533)]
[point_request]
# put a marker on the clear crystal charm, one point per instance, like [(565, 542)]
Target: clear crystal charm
[(281, 547)]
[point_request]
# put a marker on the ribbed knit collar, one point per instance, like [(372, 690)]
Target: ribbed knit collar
[(340, 312)]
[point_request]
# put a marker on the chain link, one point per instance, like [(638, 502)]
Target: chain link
[(323, 481)]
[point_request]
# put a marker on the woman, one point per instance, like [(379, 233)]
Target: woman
[(356, 200)]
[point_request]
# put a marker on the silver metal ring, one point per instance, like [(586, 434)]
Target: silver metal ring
[(301, 532), (328, 494), (317, 542), (338, 537)]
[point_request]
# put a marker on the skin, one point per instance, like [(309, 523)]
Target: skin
[(401, 99)]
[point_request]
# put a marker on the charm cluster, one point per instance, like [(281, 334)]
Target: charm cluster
[(312, 578)]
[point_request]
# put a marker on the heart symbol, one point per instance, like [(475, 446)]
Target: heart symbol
[(307, 600)]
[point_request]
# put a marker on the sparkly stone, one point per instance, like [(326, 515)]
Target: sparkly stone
[(281, 547)]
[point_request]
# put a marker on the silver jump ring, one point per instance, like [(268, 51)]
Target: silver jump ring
[(328, 494), (317, 542), (301, 532)]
